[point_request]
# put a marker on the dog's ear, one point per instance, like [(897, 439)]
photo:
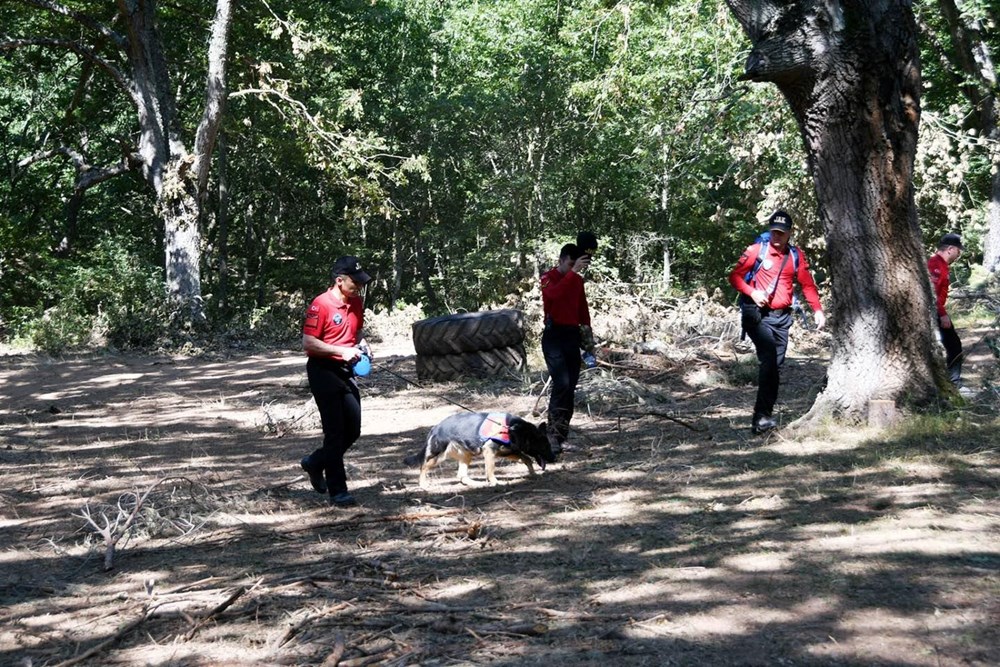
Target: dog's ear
[(541, 427)]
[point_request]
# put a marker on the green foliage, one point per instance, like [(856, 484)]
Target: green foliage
[(452, 146), (107, 296)]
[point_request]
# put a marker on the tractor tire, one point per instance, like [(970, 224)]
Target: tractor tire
[(468, 332), (478, 364)]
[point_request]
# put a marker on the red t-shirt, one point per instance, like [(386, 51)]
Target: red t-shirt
[(939, 278), (563, 298), (768, 273), (334, 322)]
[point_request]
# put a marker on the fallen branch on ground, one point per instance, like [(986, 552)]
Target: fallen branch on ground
[(207, 617), (336, 654), (375, 519), (652, 410)]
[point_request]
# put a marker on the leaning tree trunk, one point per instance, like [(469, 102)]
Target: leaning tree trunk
[(178, 177), (851, 75)]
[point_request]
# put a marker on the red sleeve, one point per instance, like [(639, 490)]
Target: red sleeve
[(938, 269), (745, 263), (315, 317), (805, 279), (584, 309)]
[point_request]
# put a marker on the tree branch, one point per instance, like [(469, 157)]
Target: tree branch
[(7, 44), (87, 176), (215, 93), (82, 19)]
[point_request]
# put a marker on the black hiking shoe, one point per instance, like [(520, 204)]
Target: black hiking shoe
[(343, 499), (762, 425), (315, 475)]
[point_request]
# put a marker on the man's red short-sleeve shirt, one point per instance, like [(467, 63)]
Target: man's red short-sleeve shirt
[(333, 321)]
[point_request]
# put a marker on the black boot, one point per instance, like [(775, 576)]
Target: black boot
[(315, 474), (762, 424)]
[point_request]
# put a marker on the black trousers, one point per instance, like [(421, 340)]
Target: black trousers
[(561, 348), (769, 334), (339, 404), (953, 351)]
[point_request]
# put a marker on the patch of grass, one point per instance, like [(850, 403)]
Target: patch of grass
[(743, 371)]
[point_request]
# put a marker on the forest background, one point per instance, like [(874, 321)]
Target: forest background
[(452, 146)]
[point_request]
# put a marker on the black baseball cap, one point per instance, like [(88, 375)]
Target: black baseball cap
[(951, 239), (781, 221), (349, 266), (586, 242)]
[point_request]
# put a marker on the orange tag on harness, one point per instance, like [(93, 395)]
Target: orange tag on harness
[(494, 427)]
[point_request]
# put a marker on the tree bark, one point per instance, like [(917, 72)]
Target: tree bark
[(851, 75), (222, 221)]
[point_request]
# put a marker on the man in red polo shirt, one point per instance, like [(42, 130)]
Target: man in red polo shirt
[(938, 265), (565, 307), (332, 339), (766, 309)]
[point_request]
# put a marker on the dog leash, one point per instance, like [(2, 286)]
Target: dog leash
[(420, 386)]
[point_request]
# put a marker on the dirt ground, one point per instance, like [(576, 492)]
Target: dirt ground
[(669, 537)]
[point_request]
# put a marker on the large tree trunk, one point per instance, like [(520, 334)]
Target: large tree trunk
[(851, 75)]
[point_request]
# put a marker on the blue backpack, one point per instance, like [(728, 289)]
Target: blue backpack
[(762, 242)]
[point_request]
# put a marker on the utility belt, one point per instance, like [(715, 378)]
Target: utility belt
[(747, 306), (751, 314), (340, 367), (552, 326)]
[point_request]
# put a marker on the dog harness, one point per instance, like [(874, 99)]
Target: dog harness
[(495, 428)]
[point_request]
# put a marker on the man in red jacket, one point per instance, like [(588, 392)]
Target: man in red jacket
[(766, 309), (565, 306), (948, 251)]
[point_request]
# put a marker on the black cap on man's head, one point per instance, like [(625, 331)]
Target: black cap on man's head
[(586, 242), (951, 239), (349, 266), (781, 221)]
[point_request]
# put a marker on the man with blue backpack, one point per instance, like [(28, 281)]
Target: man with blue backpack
[(765, 277)]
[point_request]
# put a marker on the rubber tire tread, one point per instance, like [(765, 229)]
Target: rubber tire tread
[(469, 332), (478, 364)]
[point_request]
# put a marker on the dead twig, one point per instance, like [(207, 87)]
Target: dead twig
[(472, 531), (535, 411), (206, 618), (363, 660), (114, 531), (531, 629), (94, 650), (361, 520), (333, 660), (653, 411), (280, 432), (311, 618)]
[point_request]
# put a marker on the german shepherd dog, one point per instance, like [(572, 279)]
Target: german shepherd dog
[(492, 434)]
